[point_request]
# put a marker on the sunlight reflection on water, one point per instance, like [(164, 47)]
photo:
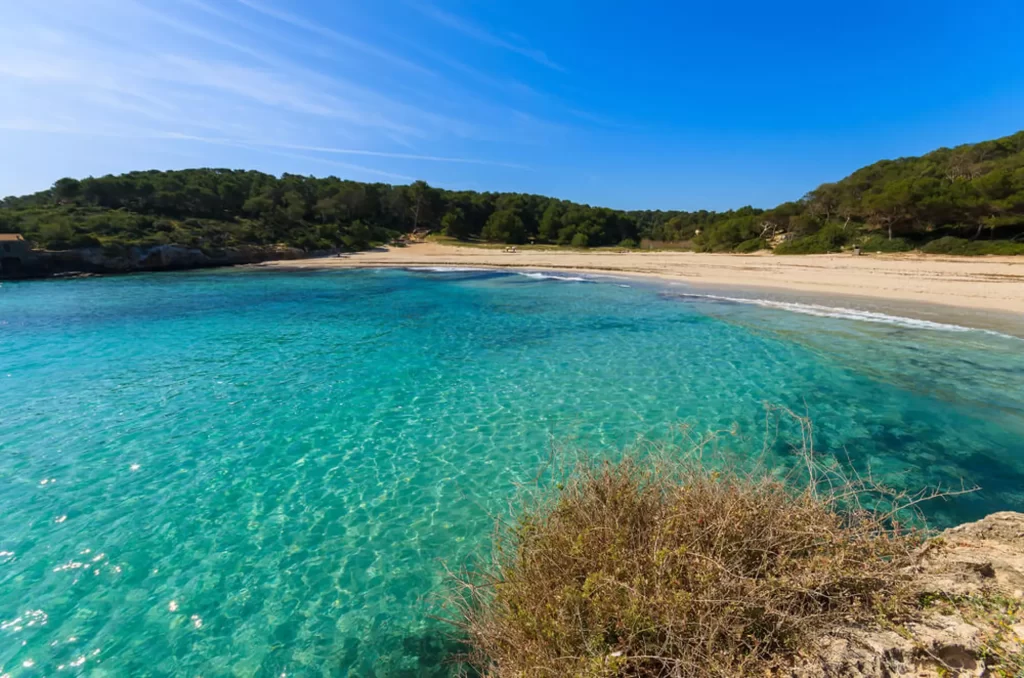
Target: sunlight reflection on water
[(255, 473)]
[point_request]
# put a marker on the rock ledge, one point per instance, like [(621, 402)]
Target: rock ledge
[(971, 579)]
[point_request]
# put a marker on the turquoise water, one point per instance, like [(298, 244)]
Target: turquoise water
[(255, 473)]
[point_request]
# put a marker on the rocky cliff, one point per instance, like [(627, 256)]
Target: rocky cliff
[(970, 584), (43, 264)]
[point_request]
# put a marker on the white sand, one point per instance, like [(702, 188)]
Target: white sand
[(978, 283)]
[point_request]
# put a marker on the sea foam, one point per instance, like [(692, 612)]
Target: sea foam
[(446, 269), (843, 313), (537, 275)]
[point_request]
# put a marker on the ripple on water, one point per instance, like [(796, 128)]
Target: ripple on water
[(241, 474)]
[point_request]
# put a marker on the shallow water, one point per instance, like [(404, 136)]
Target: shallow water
[(259, 473)]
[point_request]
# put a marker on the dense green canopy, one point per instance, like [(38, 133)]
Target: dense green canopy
[(969, 199)]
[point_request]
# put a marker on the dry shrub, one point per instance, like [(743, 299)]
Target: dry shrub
[(660, 565)]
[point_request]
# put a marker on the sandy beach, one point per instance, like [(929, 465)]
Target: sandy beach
[(975, 283)]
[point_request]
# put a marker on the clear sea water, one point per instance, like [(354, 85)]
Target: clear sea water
[(263, 473)]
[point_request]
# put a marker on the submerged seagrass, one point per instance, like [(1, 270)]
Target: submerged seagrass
[(257, 472)]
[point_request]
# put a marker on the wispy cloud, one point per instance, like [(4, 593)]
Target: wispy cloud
[(23, 125), (477, 33), (398, 156), (334, 36), (350, 151), (272, 90), (349, 166), (195, 31), (510, 86), (161, 80), (248, 26), (281, 85), (187, 74)]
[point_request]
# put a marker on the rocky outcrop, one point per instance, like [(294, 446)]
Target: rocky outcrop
[(43, 264), (970, 581)]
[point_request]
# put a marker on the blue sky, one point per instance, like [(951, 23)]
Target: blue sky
[(673, 105)]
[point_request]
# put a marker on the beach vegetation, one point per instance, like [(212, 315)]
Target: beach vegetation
[(665, 563), (830, 238), (878, 243), (752, 245), (963, 247), (580, 240), (505, 226), (454, 224)]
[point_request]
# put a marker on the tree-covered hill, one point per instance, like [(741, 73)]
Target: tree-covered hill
[(968, 199), (950, 200)]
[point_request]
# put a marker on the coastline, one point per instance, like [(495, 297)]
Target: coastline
[(989, 290)]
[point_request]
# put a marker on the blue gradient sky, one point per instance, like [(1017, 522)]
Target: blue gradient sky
[(642, 105)]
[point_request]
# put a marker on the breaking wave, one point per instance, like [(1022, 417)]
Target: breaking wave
[(844, 313)]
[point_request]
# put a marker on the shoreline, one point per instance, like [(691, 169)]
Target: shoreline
[(987, 290)]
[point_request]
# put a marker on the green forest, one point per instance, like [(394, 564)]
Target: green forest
[(964, 200)]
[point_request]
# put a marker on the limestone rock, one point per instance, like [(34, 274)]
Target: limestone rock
[(96, 260), (970, 558), (972, 564)]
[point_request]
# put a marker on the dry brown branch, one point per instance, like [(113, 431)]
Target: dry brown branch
[(670, 562)]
